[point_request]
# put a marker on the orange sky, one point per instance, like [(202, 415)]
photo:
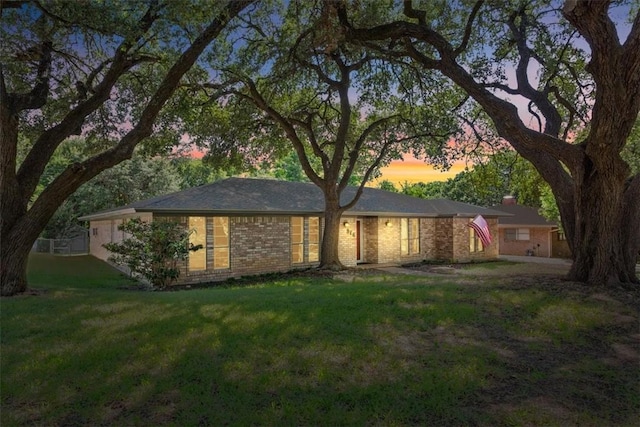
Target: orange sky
[(413, 170), (410, 169)]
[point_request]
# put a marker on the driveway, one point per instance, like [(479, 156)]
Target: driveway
[(542, 260)]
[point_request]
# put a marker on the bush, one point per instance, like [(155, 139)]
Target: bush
[(153, 250)]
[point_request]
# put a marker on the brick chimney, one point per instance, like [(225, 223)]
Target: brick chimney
[(509, 200)]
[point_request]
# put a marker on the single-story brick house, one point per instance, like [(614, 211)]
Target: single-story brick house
[(254, 226), (526, 232)]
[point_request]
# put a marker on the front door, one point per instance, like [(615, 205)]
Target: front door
[(359, 241)]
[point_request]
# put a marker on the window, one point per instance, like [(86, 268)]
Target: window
[(220, 242), (198, 259), (94, 231), (561, 235), (409, 236), (475, 244), (297, 239), (517, 234), (314, 239), (213, 234), (301, 239)]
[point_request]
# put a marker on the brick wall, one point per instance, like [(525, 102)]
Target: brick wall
[(384, 246), (451, 242), (257, 245), (537, 236), (428, 243), (444, 239), (347, 244), (461, 241), (371, 227), (388, 240), (559, 248), (262, 244)]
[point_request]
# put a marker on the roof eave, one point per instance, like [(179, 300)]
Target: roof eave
[(107, 215)]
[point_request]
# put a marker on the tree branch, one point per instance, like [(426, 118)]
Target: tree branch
[(468, 28), (372, 167), (354, 154), (75, 175), (37, 97), (258, 100), (34, 164)]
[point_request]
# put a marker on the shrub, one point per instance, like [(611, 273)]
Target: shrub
[(153, 250)]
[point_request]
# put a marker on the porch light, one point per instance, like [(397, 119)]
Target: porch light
[(346, 224), (388, 223)]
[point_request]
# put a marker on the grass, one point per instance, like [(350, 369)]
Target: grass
[(291, 350)]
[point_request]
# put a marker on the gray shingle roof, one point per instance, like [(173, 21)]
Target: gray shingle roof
[(523, 215), (266, 196)]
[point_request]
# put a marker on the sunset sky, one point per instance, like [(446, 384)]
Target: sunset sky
[(413, 170), (410, 169)]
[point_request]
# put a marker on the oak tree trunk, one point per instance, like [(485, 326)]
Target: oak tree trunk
[(329, 256), (13, 266), (19, 233), (606, 228)]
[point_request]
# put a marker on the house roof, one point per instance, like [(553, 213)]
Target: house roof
[(251, 196), (522, 216)]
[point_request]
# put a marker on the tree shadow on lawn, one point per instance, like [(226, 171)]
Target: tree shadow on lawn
[(571, 360), (406, 351)]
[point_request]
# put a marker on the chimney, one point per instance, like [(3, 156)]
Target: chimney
[(509, 200)]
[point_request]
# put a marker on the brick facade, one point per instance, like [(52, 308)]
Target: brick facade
[(559, 247), (461, 237), (257, 245), (262, 244), (538, 244)]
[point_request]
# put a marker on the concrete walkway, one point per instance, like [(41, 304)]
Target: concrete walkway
[(542, 260)]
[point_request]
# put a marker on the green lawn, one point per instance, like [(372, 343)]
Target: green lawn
[(392, 350)]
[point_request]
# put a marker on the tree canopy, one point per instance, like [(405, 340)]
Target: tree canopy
[(340, 109), (104, 70), (347, 86), (573, 66)]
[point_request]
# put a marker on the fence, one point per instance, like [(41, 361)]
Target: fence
[(75, 246)]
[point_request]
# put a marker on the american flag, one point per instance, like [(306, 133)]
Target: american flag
[(481, 228)]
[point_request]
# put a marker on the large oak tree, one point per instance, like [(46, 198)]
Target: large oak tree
[(575, 69), (342, 110), (101, 69)]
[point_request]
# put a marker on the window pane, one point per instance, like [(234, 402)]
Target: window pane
[(221, 231), (221, 258), (472, 240), (198, 259), (523, 234), (415, 246), (314, 252), (314, 239), (415, 235), (297, 229), (296, 254), (404, 236)]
